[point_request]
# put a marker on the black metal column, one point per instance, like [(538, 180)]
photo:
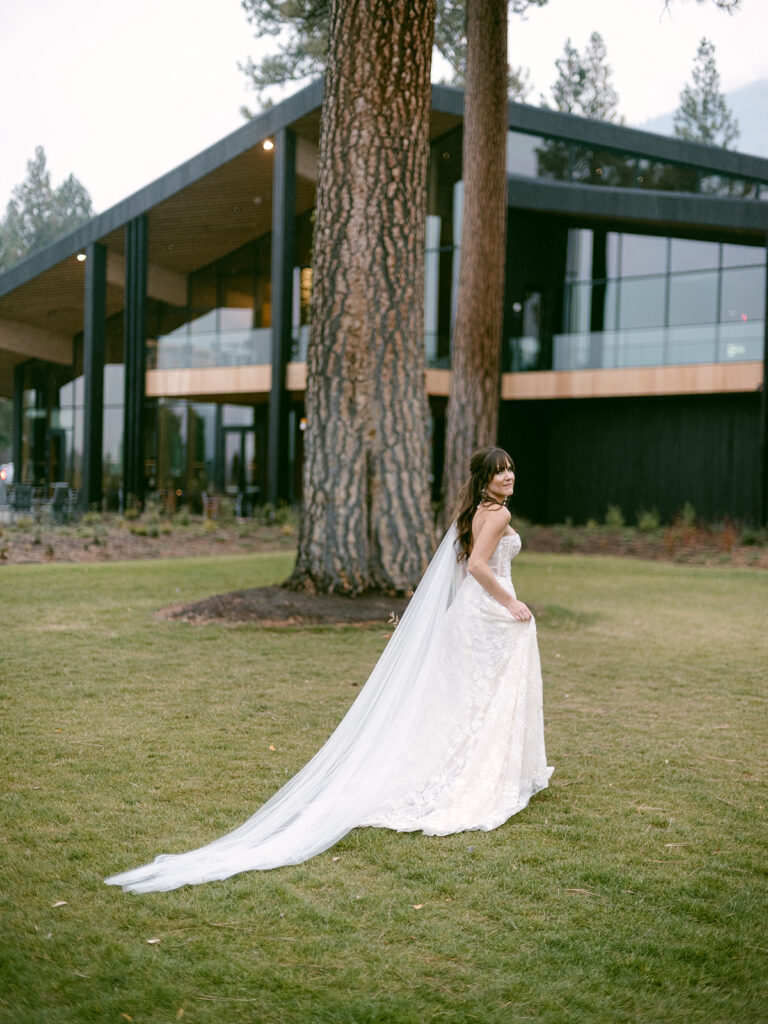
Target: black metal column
[(283, 229), (763, 512), (134, 342), (18, 422), (93, 372)]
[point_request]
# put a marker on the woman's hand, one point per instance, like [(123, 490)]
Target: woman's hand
[(518, 610)]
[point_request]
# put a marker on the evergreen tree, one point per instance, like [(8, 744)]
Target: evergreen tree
[(300, 28), (38, 213), (703, 114), (583, 85)]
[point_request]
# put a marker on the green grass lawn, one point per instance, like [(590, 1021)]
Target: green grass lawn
[(634, 889)]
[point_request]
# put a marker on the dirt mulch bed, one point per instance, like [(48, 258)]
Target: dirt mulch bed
[(276, 606), (115, 542)]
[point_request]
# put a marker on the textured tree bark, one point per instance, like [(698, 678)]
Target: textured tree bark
[(473, 406), (365, 521)]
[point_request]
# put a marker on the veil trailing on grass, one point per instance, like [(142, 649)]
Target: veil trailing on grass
[(346, 782)]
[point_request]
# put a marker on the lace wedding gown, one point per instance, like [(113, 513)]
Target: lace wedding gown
[(446, 736)]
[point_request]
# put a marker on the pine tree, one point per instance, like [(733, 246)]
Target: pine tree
[(38, 213), (300, 28), (583, 85), (703, 114), (365, 519)]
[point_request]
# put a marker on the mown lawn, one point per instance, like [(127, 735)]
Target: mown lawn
[(634, 889)]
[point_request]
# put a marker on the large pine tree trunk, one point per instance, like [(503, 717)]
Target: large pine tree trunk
[(365, 521), (473, 406)]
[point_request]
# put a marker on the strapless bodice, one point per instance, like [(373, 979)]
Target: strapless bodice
[(506, 549)]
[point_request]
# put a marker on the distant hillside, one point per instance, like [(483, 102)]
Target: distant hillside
[(750, 106)]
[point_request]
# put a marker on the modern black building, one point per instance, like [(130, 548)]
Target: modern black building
[(157, 348)]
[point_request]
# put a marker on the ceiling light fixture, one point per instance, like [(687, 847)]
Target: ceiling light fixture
[(268, 144), (81, 257)]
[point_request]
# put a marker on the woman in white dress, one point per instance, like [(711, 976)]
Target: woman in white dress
[(446, 735)]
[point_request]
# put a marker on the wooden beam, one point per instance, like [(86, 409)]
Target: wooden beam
[(35, 342), (693, 379), (209, 382)]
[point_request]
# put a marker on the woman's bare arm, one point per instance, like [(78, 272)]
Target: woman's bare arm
[(490, 529)]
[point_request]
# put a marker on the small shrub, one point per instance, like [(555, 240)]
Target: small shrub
[(91, 518), (166, 529), (688, 515), (647, 520), (139, 530), (591, 524), (226, 511), (614, 517), (725, 535), (752, 535)]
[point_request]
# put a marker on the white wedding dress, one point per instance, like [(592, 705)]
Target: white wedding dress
[(446, 736)]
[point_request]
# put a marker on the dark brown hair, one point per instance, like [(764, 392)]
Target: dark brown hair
[(484, 464)]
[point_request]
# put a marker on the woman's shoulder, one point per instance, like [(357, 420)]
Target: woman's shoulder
[(491, 517), (497, 514)]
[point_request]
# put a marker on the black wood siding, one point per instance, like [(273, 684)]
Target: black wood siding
[(576, 456)]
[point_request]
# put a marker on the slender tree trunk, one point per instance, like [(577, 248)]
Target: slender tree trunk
[(473, 407), (365, 520)]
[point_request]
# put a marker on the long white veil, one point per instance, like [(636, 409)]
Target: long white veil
[(345, 781)]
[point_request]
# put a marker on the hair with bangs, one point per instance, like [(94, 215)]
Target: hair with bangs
[(483, 466)]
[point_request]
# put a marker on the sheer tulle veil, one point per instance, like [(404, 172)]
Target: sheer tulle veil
[(344, 782)]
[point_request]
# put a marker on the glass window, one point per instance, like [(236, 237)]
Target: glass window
[(522, 154), (643, 254), (688, 254), (599, 167), (114, 384), (112, 448), (577, 307), (725, 185), (237, 291), (579, 265), (237, 415), (234, 319), (743, 255), (743, 295), (554, 160), (642, 302), (693, 298), (67, 394), (202, 288), (667, 177)]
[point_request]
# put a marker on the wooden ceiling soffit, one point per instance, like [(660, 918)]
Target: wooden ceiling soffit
[(162, 283), (35, 342)]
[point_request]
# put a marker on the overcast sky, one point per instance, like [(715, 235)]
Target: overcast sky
[(119, 93)]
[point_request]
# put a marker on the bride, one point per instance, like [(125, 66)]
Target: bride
[(447, 734)]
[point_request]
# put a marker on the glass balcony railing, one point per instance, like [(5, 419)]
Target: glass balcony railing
[(661, 346)]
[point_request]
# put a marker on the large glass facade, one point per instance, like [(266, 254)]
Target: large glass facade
[(228, 318), (653, 300)]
